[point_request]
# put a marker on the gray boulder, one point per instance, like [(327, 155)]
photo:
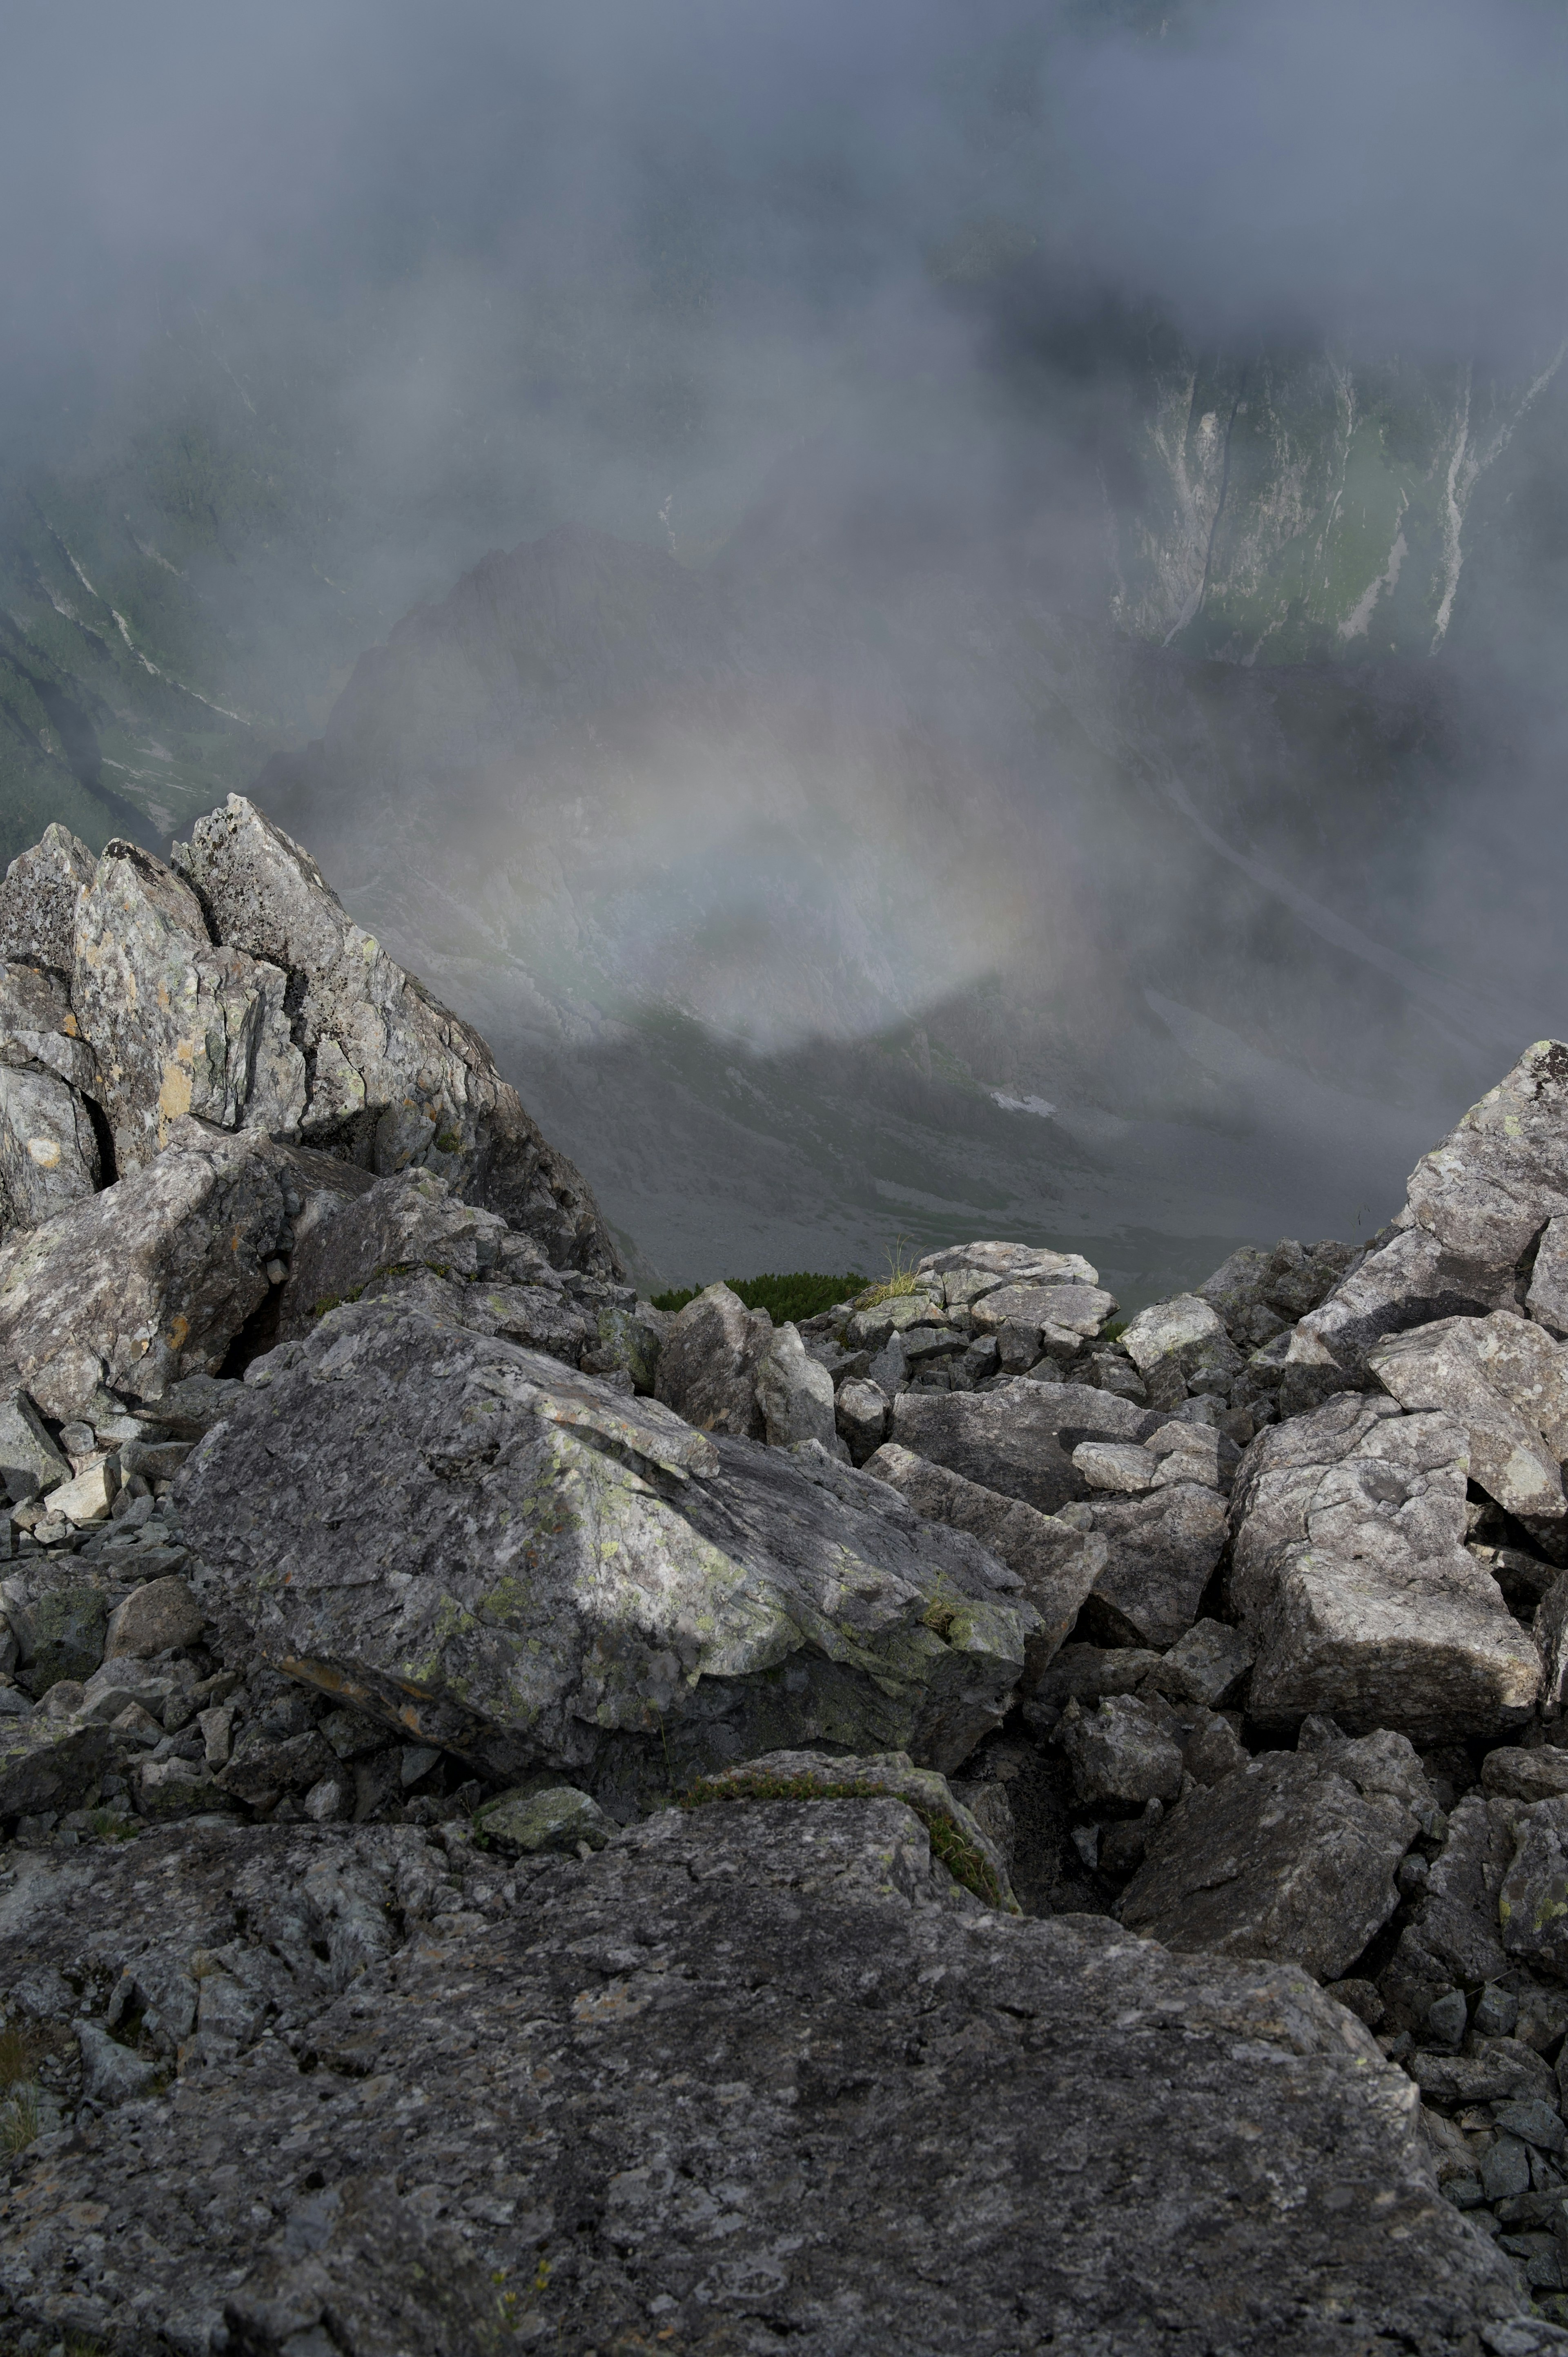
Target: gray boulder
[(1258, 1294), (39, 1025), (1550, 1630), (541, 1316), (38, 897), (873, 1327), (1383, 1762), (1283, 1858), (1060, 1317), (1121, 1754), (1512, 1773), (547, 1816), (1189, 1335), (411, 1221), (749, 2131), (958, 1839), (1455, 1937), (395, 1078), (148, 1281), (707, 1367), (1506, 1381), (48, 1150), (1163, 1551), (47, 1763), (1350, 1574), (967, 1272), (111, 2074), (30, 1459), (527, 1569), (1207, 1665), (1121, 1468), (860, 1409), (1532, 1905), (794, 1395), (1058, 1565), (1082, 1672), (178, 1025), (1019, 1440)]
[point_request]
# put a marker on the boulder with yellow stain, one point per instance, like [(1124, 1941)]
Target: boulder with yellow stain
[(49, 1153), (178, 1024), (396, 1079), (49, 1148)]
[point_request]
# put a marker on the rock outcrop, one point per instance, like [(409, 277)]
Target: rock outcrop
[(460, 1649), (237, 992)]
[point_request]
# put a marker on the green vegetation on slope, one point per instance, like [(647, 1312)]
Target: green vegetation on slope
[(804, 1293)]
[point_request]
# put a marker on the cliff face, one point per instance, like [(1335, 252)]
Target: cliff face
[(190, 590), (1300, 507)]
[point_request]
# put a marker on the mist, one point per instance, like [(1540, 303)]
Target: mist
[(1098, 471)]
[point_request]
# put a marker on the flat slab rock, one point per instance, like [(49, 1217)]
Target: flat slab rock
[(515, 1563), (1412, 1280), (739, 2082)]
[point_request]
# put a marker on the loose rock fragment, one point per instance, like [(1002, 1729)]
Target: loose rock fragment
[(1057, 1565), (1121, 1754), (1283, 1858)]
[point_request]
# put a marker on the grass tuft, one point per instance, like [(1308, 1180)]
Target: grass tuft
[(900, 1281), (19, 2117), (16, 2055)]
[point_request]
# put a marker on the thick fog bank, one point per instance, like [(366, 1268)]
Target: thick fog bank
[(926, 565)]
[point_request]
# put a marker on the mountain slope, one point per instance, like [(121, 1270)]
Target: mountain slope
[(846, 890)]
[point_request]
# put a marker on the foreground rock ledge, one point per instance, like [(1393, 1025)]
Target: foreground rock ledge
[(744, 2082)]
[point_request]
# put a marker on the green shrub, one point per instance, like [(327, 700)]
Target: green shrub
[(805, 1294)]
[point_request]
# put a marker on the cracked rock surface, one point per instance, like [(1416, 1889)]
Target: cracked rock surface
[(741, 2080)]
